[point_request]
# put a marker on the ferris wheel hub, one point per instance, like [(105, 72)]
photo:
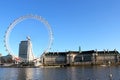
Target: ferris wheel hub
[(20, 19)]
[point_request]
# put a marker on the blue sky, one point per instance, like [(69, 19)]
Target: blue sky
[(91, 24)]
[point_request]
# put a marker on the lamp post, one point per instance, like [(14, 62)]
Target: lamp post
[(0, 58)]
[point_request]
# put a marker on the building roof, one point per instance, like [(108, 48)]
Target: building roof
[(56, 53), (83, 52), (107, 52)]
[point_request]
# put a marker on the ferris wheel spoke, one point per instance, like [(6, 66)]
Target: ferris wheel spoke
[(20, 19)]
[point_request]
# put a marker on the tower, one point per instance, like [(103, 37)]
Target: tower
[(25, 50)]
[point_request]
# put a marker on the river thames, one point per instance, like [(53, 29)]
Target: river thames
[(65, 73)]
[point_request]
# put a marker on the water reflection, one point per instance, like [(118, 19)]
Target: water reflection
[(25, 74), (69, 73)]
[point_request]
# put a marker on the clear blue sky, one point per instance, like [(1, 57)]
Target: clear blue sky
[(91, 24)]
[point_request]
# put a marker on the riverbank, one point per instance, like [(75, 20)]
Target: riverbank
[(50, 66)]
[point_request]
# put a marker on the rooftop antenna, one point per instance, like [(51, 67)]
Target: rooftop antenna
[(28, 37)]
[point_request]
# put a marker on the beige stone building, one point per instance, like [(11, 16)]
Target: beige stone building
[(54, 58), (91, 57)]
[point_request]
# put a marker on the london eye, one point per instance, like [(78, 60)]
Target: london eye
[(20, 19)]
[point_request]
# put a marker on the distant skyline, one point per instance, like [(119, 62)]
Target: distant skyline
[(91, 24)]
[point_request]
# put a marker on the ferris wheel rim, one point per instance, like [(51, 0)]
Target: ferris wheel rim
[(22, 18)]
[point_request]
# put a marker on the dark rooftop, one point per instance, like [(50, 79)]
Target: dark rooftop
[(83, 52)]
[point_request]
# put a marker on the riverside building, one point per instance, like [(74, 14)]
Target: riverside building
[(75, 58)]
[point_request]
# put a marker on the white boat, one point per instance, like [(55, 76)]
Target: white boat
[(103, 65), (7, 64)]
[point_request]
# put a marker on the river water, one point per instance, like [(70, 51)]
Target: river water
[(67, 73)]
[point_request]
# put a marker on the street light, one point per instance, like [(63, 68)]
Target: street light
[(0, 57)]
